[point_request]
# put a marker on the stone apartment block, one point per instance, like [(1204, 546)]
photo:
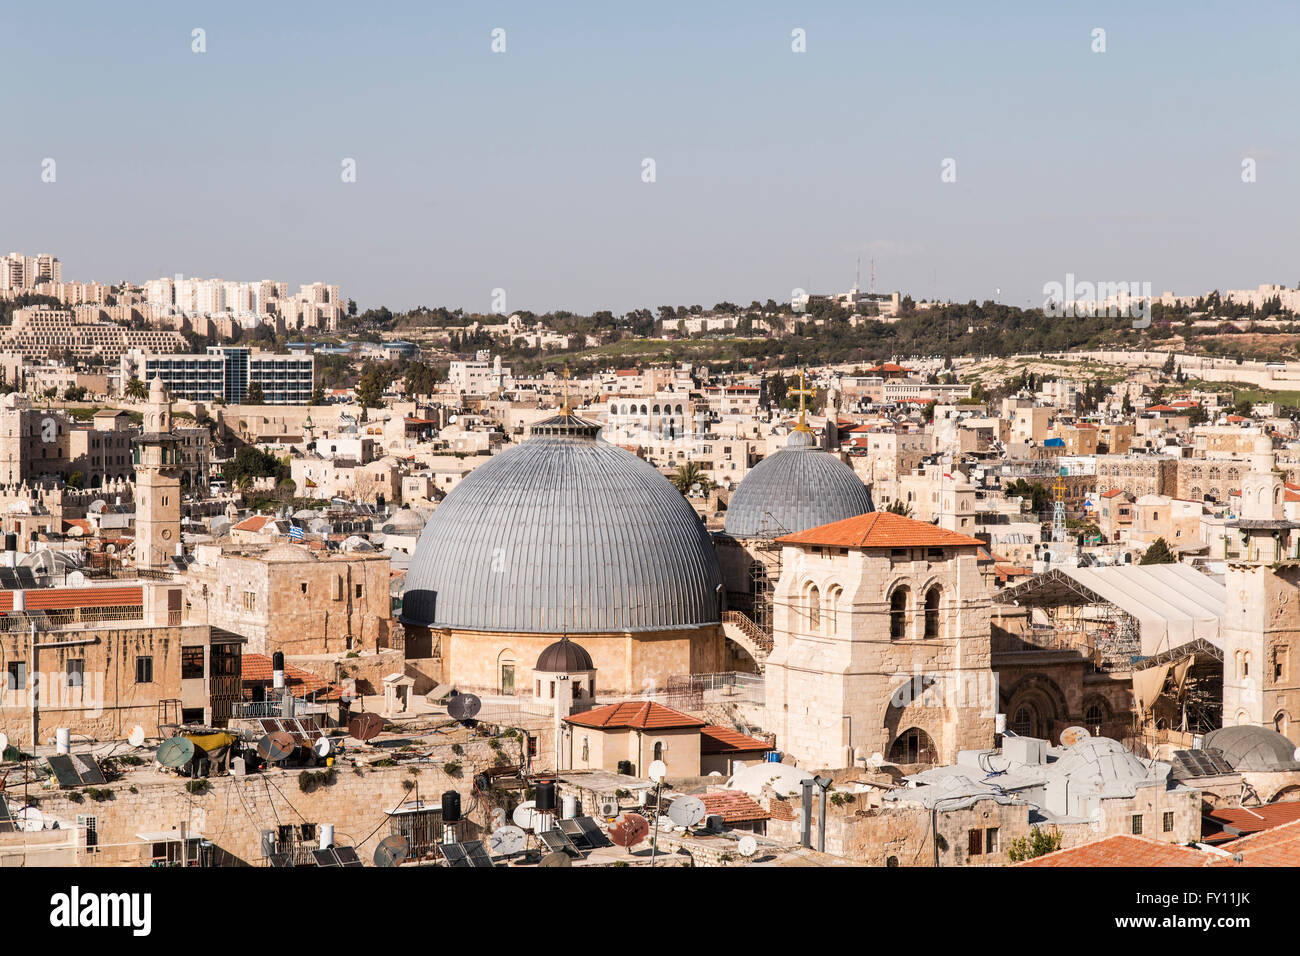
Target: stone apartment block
[(1138, 474)]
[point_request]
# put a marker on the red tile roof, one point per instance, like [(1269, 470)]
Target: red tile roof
[(61, 599), (1230, 823), (257, 669), (1124, 850), (722, 740), (255, 523), (637, 714), (880, 529), (733, 806)]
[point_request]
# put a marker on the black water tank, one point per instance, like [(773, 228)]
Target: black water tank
[(545, 795), (450, 807), (277, 661)]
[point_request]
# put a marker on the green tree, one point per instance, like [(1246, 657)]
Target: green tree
[(1158, 553), (370, 388), (250, 462), (1040, 842), (254, 395), (899, 508), (136, 390), (75, 480), (318, 395), (688, 475)]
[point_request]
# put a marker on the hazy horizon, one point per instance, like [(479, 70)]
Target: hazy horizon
[(775, 170)]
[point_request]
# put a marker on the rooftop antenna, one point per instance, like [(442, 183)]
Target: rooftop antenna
[(872, 289)]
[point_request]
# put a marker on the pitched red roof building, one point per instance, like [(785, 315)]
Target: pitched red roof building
[(636, 715), (733, 806), (724, 740), (1124, 850), (880, 529)]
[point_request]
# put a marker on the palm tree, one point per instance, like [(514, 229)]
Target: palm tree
[(899, 508), (135, 389), (688, 475)]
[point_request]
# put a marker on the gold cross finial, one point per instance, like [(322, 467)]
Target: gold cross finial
[(801, 391)]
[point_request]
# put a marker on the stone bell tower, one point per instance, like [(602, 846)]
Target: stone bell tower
[(157, 484), (1261, 626)]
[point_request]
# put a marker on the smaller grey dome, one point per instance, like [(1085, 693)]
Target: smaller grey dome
[(564, 657), (1250, 748)]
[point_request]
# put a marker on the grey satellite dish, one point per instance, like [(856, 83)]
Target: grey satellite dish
[(136, 737), (525, 815), (392, 850), (507, 840), (464, 706), (558, 858), (747, 846), (323, 747), (176, 752), (687, 811)]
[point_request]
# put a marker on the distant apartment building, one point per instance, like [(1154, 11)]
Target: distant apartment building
[(226, 373), (479, 377), (39, 333)]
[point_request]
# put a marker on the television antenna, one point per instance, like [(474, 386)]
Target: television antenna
[(747, 846), (392, 850)]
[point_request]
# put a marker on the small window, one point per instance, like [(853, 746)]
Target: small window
[(303, 587), (191, 663), (1167, 822), (1137, 824), (16, 676), (358, 591), (991, 840), (975, 842), (144, 670), (75, 671)]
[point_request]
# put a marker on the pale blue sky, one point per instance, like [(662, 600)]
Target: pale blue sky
[(775, 170)]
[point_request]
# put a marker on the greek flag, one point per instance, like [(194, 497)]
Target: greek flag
[(295, 533)]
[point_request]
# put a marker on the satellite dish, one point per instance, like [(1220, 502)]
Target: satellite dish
[(507, 840), (30, 820), (136, 737), (687, 811), (464, 706), (558, 858), (525, 815), (76, 579), (747, 846), (1295, 756), (366, 726), (877, 759), (275, 747), (1073, 735), (176, 752), (392, 850), (4, 745), (323, 747), (629, 830), (658, 771)]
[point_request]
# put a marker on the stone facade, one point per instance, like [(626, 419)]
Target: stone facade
[(840, 687)]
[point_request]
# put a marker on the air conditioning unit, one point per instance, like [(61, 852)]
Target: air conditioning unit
[(609, 808)]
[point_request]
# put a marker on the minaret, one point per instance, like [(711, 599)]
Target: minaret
[(1261, 629), (157, 485)]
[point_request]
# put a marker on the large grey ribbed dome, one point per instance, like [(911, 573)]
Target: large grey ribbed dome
[(1247, 747), (795, 489), (564, 533)]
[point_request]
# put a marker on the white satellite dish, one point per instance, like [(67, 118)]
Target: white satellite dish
[(30, 820), (747, 846), (658, 771), (877, 759), (687, 811), (76, 579), (526, 815), (507, 840), (323, 747), (4, 745), (1295, 755), (136, 737)]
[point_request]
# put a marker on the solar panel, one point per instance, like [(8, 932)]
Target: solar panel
[(574, 832), (592, 831), (1203, 763), (558, 840), (347, 856), (478, 854), (9, 580), (454, 854), (6, 819), (65, 771), (324, 857), (281, 860), (269, 726), (89, 769), (26, 579)]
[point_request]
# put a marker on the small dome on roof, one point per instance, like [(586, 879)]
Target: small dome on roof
[(564, 657), (289, 552), (1250, 748)]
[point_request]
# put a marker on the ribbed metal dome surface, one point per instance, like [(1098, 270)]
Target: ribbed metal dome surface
[(795, 489), (564, 533)]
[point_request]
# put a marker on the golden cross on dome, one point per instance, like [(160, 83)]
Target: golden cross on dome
[(802, 391)]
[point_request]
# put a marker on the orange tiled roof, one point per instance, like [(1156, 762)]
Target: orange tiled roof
[(59, 599), (1124, 850), (257, 669), (719, 740), (1246, 820), (880, 529), (733, 806), (1279, 846), (255, 523), (637, 714)]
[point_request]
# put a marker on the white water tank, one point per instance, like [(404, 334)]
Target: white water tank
[(569, 804), (326, 835), (63, 740)]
